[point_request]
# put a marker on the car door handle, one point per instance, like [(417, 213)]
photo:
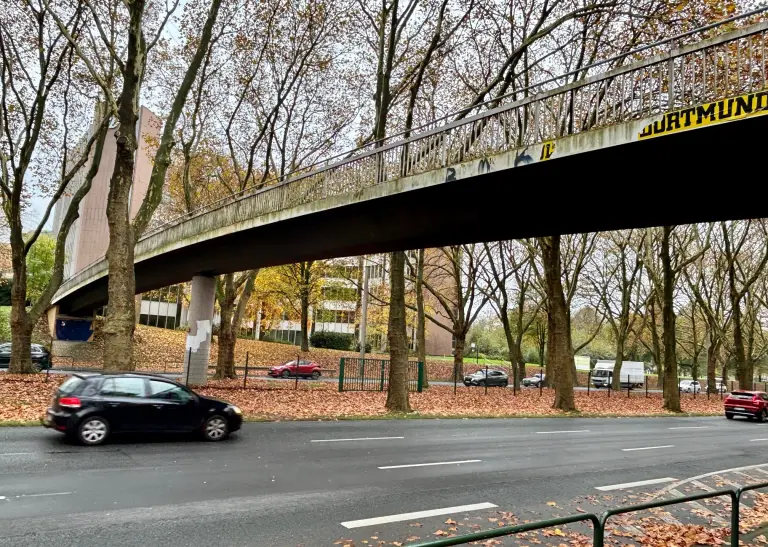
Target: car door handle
[(159, 407), (114, 404)]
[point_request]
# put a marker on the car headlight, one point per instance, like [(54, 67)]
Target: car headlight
[(236, 410)]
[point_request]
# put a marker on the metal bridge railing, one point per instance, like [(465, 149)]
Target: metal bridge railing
[(728, 64), (599, 523)]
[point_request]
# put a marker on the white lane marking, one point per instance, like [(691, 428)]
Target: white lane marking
[(755, 440), (35, 495), (690, 427), (647, 448), (633, 484), (17, 454), (573, 431), (358, 439), (427, 464), (416, 515), (41, 495)]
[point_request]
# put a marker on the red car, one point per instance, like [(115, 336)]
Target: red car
[(752, 404), (307, 369)]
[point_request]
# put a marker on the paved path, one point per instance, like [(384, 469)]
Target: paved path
[(314, 483)]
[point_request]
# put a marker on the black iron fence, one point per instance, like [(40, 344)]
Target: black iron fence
[(356, 374), (599, 522)]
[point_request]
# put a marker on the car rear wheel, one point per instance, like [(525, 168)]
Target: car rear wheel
[(729, 415), (761, 416), (315, 374), (505, 383), (286, 374), (93, 430), (215, 428)]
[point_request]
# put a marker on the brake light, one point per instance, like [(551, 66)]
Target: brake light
[(69, 402)]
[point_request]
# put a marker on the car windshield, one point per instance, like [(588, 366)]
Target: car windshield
[(601, 373)]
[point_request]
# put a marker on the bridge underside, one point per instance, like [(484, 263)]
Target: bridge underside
[(708, 174)]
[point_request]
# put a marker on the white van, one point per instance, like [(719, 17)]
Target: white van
[(632, 374)]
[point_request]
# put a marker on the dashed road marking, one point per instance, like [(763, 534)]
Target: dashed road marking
[(691, 427), (427, 464), (417, 515), (358, 439), (647, 448), (572, 431)]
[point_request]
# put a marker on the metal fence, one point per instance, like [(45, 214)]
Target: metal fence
[(356, 374), (599, 522)]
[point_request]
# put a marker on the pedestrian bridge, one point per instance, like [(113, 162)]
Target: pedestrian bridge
[(672, 138)]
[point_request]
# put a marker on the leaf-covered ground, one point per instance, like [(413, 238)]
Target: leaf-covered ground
[(25, 398)]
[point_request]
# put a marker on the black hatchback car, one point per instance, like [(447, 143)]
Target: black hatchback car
[(90, 407)]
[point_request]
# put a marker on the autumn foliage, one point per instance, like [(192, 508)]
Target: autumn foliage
[(25, 398)]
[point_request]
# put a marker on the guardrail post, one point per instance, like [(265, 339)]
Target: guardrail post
[(381, 380), (341, 374), (735, 517), (486, 378), (541, 382), (245, 378), (628, 386), (298, 367), (420, 385), (589, 381)]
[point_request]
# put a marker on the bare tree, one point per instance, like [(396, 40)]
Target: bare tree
[(43, 113), (508, 285), (614, 278), (745, 254), (453, 277)]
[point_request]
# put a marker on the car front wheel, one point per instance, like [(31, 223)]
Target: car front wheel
[(286, 374), (315, 374), (761, 416), (93, 430), (729, 415), (216, 428)]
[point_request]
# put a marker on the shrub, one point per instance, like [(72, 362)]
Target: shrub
[(331, 340)]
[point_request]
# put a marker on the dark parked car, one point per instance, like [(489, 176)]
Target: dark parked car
[(752, 404), (534, 381), (495, 378), (307, 369), (41, 357), (91, 406)]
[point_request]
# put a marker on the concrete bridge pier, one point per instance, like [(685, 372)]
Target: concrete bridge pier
[(198, 347)]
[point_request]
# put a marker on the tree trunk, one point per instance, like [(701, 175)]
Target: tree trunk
[(397, 395), (616, 380), (225, 363), (306, 279), (304, 323), (511, 347), (21, 325), (712, 351), (119, 323), (671, 391), (458, 359), (558, 334), (421, 323)]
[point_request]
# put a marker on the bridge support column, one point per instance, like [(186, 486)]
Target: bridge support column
[(200, 316)]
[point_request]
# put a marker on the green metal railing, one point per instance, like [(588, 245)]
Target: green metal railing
[(357, 374), (599, 523)]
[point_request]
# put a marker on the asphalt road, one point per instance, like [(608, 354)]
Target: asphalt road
[(292, 484)]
